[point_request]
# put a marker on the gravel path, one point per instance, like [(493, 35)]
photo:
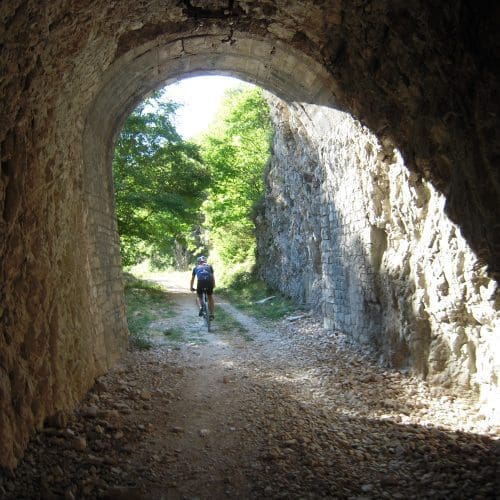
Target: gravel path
[(295, 412)]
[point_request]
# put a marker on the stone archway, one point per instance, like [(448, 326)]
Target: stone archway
[(422, 77), (285, 72)]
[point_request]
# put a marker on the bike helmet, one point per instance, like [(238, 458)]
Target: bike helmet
[(201, 259)]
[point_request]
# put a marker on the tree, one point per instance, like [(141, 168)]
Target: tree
[(160, 183), (236, 149)]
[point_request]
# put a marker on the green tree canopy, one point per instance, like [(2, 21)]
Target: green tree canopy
[(160, 182), (236, 149)]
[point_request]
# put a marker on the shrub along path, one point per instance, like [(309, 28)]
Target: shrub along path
[(258, 410)]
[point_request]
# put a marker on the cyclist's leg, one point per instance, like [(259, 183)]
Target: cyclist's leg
[(211, 305), (207, 302), (204, 285), (199, 300)]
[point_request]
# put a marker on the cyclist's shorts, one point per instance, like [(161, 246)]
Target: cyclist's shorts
[(208, 286)]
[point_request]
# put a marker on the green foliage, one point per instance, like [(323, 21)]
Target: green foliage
[(146, 302), (245, 290), (236, 149), (160, 182), (174, 334)]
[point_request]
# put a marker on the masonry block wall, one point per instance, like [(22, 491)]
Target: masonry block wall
[(347, 229), (62, 310)]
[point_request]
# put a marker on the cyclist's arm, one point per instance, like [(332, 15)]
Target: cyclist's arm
[(192, 281)]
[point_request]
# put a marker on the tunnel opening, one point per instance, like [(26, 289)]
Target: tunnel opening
[(181, 195), (64, 203)]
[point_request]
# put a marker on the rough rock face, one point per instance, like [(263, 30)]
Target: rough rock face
[(349, 230), (424, 77)]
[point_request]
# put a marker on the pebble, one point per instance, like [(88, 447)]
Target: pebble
[(90, 411), (111, 414), (145, 395), (79, 443)]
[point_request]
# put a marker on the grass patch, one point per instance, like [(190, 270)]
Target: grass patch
[(146, 302), (245, 291), (174, 334), (228, 324), (178, 335)]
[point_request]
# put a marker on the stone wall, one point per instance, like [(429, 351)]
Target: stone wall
[(62, 314), (62, 310), (346, 228)]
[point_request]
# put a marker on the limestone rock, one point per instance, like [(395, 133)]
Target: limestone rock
[(364, 242)]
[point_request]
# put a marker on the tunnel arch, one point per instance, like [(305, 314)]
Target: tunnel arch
[(271, 64), (288, 73), (285, 72)]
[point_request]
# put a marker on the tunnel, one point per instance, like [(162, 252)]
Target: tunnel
[(422, 77)]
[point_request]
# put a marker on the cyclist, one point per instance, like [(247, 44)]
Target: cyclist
[(204, 273)]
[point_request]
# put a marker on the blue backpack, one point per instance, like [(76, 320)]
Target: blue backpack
[(203, 273)]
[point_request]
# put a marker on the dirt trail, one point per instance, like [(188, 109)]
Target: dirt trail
[(206, 422), (286, 410)]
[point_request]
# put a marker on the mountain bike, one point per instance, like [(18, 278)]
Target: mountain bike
[(204, 308)]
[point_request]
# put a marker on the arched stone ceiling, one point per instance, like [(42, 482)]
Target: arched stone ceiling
[(420, 77), (424, 77), (270, 64)]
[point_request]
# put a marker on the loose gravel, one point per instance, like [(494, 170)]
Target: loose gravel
[(295, 412)]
